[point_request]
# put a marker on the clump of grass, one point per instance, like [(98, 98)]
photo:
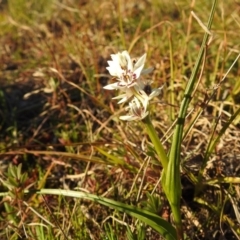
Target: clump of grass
[(29, 12)]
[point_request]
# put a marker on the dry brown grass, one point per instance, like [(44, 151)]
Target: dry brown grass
[(51, 99)]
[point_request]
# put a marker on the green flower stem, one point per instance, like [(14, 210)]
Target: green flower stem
[(177, 218), (172, 181), (172, 190), (156, 142)]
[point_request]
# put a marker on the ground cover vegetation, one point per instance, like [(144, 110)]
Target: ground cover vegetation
[(71, 167)]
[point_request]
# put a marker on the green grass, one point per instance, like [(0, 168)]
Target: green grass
[(62, 126)]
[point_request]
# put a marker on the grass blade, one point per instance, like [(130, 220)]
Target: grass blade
[(160, 225)]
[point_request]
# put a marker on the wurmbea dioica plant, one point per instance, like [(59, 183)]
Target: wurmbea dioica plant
[(129, 77)]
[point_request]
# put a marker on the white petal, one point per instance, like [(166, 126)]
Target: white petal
[(123, 100), (114, 68), (145, 104), (128, 59), (123, 97), (138, 67), (155, 92), (140, 62), (123, 61), (115, 57), (111, 86), (147, 70), (127, 118)]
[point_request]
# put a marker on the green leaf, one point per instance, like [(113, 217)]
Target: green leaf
[(171, 178), (19, 171), (159, 224)]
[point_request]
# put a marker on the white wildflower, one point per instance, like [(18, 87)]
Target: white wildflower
[(136, 111), (128, 75), (125, 70)]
